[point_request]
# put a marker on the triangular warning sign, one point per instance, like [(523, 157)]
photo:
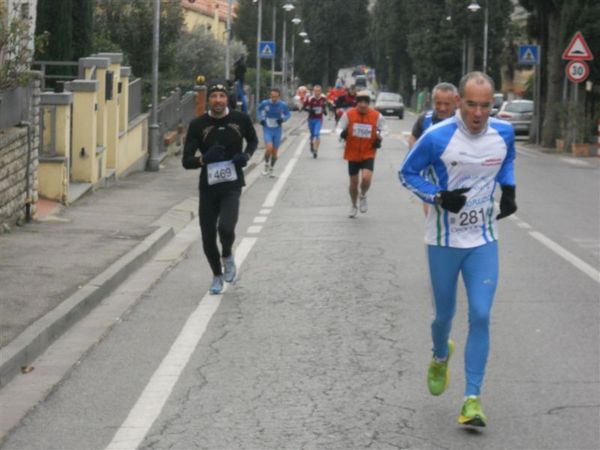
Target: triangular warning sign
[(267, 51), (528, 56), (578, 49)]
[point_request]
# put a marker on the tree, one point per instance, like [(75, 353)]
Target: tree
[(55, 17), (338, 34), (199, 53), (129, 28), (553, 23), (82, 14)]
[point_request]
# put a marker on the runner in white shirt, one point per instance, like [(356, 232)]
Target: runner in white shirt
[(465, 157)]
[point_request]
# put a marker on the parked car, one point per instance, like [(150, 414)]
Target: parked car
[(390, 104), (498, 100), (519, 113)]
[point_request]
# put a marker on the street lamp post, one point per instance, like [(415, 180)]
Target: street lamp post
[(228, 46), (274, 40), (153, 160), (258, 39), (474, 7), (288, 6), (295, 21)]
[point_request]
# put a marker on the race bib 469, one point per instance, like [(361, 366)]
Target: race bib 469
[(221, 172)]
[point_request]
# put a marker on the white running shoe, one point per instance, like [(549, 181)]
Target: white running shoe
[(265, 170), (362, 204), (271, 172), (353, 212)]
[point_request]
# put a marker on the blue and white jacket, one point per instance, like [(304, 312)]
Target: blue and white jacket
[(270, 112), (452, 158)]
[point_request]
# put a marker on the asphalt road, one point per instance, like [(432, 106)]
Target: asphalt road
[(324, 340)]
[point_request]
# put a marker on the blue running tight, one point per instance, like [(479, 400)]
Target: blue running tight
[(479, 268)]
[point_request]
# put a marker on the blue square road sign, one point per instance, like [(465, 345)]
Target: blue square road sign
[(529, 55), (266, 49)]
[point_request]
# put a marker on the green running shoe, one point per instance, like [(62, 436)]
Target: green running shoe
[(438, 376), (471, 413)]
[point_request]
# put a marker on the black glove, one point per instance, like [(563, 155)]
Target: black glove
[(279, 122), (344, 134), (507, 202), (215, 153), (240, 160), (263, 123), (377, 143), (453, 201)]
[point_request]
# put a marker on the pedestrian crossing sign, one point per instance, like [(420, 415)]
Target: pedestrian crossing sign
[(266, 49), (529, 55)]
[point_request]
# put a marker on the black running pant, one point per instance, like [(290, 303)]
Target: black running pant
[(218, 211)]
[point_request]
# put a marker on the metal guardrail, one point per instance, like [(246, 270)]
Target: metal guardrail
[(135, 99)]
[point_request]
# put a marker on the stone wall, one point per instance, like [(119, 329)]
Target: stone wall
[(13, 165)]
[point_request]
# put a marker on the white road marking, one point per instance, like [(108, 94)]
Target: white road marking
[(272, 197), (566, 255), (265, 212), (529, 154), (254, 229), (156, 393), (260, 219), (326, 131), (574, 162)]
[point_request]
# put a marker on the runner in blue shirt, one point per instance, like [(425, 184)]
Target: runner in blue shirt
[(466, 156), (271, 114)]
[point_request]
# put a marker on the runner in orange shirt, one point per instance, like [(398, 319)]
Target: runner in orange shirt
[(361, 128)]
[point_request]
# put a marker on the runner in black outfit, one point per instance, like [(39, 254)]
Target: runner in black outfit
[(218, 136)]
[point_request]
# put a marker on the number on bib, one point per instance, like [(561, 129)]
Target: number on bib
[(362, 130), (221, 172)]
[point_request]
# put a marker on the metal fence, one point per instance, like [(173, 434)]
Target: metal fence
[(54, 71), (135, 99), (188, 107), (14, 106)]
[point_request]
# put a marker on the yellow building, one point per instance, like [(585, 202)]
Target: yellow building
[(211, 14)]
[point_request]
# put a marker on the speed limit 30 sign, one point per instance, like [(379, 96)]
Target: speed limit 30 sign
[(577, 71)]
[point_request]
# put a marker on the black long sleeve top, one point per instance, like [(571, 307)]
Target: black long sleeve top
[(230, 132)]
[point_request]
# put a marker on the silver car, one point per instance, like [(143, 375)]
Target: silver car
[(390, 104), (519, 113)]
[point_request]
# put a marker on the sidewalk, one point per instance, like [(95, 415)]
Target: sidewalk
[(55, 270)]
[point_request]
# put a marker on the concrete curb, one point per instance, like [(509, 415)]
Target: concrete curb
[(38, 336)]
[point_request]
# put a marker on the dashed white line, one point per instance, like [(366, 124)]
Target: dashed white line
[(260, 219), (254, 229), (265, 212)]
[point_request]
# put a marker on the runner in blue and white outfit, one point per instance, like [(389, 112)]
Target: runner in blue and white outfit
[(444, 96), (467, 154), (271, 114)]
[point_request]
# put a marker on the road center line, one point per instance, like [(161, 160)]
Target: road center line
[(566, 255), (156, 393)]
